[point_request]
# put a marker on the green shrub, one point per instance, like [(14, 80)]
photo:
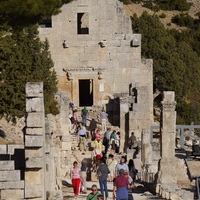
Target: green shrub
[(181, 5), (183, 20), (126, 1), (162, 15)]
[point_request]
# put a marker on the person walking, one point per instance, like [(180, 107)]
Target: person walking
[(111, 163), (75, 177), (121, 184), (132, 170), (121, 165), (94, 194), (106, 139), (92, 128), (103, 116), (84, 116), (102, 173), (83, 173), (82, 137)]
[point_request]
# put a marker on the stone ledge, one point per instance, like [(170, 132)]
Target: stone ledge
[(12, 194), (7, 165), (10, 175), (12, 185), (172, 192)]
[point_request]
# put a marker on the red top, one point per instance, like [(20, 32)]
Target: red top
[(121, 181)]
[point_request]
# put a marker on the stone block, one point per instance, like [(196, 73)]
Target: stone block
[(66, 146), (3, 149), (66, 138), (12, 194), (12, 185), (35, 131), (33, 177), (7, 165), (34, 141), (33, 191), (34, 89), (34, 152), (35, 120), (34, 162), (35, 105), (10, 175), (12, 147)]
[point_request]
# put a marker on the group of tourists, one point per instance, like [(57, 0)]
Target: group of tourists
[(121, 174)]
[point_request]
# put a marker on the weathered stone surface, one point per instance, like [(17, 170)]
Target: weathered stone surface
[(34, 152), (12, 185), (35, 131), (33, 191), (12, 194), (66, 145), (33, 177), (10, 175), (34, 89), (3, 149), (34, 105), (12, 147), (7, 165), (33, 141), (35, 120), (34, 162)]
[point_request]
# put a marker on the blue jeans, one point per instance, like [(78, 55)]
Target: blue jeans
[(103, 187), (84, 118)]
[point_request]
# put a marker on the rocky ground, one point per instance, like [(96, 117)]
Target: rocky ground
[(138, 10)]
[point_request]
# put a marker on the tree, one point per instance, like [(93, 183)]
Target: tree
[(176, 64), (24, 58), (20, 13)]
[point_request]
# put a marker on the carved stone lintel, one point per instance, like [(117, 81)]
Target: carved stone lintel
[(84, 69), (168, 105)]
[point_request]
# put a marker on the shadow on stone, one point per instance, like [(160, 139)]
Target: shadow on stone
[(65, 183), (2, 134)]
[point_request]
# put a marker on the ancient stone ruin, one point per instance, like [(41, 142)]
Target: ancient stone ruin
[(98, 62)]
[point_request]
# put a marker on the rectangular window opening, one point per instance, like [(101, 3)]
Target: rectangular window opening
[(82, 23)]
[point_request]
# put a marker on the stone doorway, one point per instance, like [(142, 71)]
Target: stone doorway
[(86, 92)]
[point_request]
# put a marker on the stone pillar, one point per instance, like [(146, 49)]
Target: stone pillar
[(146, 154), (63, 101), (35, 142), (124, 125), (167, 168)]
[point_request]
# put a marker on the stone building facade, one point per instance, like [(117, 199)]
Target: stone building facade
[(98, 61)]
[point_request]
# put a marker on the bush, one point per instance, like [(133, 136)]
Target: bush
[(181, 5), (162, 15), (183, 20), (126, 1)]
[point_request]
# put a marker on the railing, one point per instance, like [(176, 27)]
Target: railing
[(180, 131), (198, 187)]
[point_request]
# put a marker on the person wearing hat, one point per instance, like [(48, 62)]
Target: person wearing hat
[(121, 184)]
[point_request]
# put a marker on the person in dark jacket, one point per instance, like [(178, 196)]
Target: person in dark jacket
[(102, 173)]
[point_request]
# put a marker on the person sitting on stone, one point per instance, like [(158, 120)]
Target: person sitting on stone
[(132, 141), (94, 194)]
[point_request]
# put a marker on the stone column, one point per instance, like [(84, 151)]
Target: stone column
[(146, 154), (167, 164), (35, 142), (124, 109)]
